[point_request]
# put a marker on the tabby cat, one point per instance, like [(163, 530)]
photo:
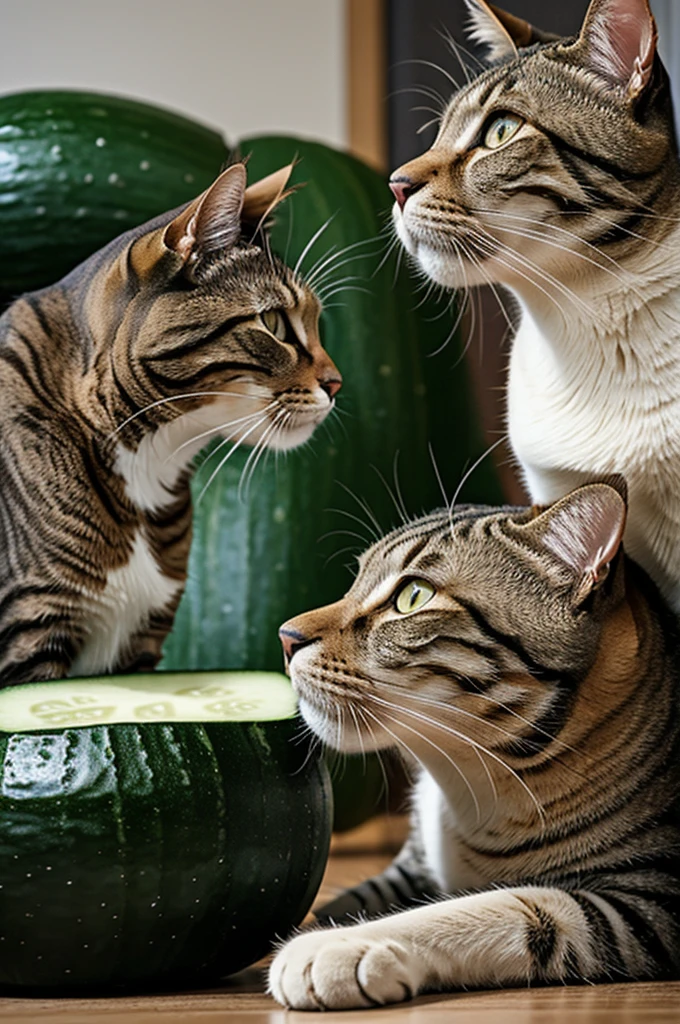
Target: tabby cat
[(556, 174), (531, 669), (112, 380)]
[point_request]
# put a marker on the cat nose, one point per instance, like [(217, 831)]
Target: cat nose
[(404, 187), (291, 641), (331, 385)]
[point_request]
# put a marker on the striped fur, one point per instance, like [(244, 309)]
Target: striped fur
[(537, 690), (181, 330), (577, 212)]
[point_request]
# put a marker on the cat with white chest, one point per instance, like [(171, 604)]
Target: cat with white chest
[(530, 670), (555, 173)]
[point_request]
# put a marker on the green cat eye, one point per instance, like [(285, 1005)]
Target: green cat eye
[(276, 323), (502, 130), (413, 596)]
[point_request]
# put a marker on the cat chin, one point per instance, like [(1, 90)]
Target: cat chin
[(294, 437), (350, 740)]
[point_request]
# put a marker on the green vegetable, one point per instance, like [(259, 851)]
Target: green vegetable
[(77, 169), (153, 853), (282, 545), (273, 548)]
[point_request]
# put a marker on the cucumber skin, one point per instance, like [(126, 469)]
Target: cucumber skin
[(53, 214), (255, 563), (154, 855)]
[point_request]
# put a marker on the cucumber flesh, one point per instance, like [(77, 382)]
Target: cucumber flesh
[(153, 697)]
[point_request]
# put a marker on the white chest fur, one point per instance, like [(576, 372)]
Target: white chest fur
[(584, 402), (437, 833), (132, 593)]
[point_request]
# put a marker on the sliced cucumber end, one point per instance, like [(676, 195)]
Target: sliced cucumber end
[(154, 697)]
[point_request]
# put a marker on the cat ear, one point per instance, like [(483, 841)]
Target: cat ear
[(212, 222), (265, 195), (503, 33), (620, 40), (584, 531)]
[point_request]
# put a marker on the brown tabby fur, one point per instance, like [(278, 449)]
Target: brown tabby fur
[(95, 524), (537, 691)]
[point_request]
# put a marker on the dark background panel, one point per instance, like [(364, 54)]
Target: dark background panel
[(416, 29)]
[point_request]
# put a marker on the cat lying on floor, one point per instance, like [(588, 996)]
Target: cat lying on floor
[(530, 670)]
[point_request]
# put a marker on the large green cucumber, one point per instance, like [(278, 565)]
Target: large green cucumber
[(152, 853), (275, 549), (282, 547), (78, 168)]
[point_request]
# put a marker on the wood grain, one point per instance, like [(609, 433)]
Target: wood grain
[(367, 81)]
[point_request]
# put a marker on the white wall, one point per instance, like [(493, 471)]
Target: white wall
[(240, 65)]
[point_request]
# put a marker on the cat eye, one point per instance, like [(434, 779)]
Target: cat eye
[(502, 129), (276, 323), (413, 596)]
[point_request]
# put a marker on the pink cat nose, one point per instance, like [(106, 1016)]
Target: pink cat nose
[(403, 188), (291, 641), (331, 385)]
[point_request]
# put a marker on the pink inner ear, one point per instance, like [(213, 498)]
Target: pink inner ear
[(621, 38), (584, 530)]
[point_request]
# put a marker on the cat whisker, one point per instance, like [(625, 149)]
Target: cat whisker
[(365, 507), (494, 248), (472, 743), (445, 34), (343, 551), (317, 234), (447, 708), (379, 719), (345, 533), (253, 458), (377, 753), (626, 282), (218, 429), (333, 260), (391, 246), (401, 512), (290, 207), (440, 482), (229, 454), (356, 519), (492, 286), (400, 496), (323, 290), (542, 225), (348, 288), (400, 256), (179, 398), (543, 274), (433, 120), (475, 465), (455, 84)]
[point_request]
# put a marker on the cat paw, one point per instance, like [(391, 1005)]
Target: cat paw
[(341, 969)]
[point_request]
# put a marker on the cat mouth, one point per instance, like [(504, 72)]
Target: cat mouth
[(291, 427)]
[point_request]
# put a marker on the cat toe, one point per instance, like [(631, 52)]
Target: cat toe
[(386, 973), (337, 971), (290, 981)]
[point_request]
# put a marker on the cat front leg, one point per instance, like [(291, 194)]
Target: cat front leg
[(500, 938)]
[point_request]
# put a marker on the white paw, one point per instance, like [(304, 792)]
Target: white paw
[(341, 969)]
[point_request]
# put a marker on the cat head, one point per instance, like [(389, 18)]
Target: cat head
[(549, 163), (194, 304), (469, 613)]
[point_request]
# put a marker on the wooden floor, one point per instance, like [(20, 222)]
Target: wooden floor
[(355, 857)]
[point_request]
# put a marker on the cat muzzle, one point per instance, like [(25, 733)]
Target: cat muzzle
[(292, 641), (404, 187)]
